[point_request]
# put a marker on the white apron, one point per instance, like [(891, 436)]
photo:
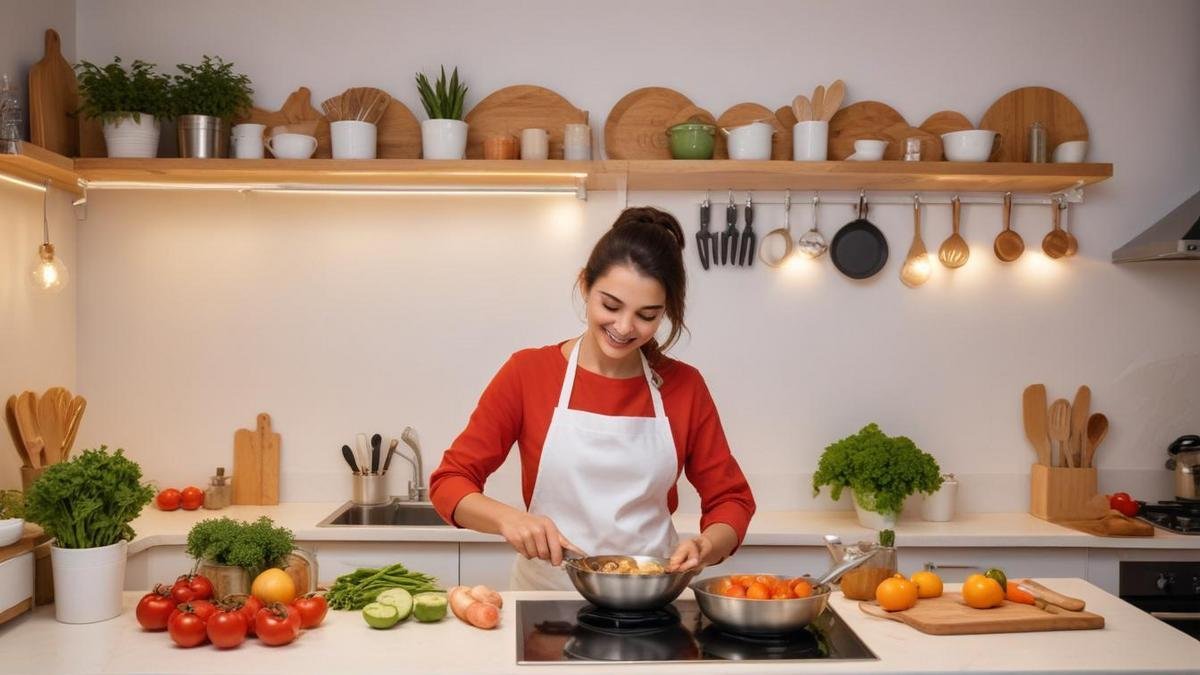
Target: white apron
[(603, 480)]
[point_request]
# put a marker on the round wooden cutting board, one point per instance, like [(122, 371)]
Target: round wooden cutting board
[(505, 112), (636, 127), (862, 120), (1013, 112)]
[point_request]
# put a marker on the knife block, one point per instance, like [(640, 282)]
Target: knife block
[(1061, 493)]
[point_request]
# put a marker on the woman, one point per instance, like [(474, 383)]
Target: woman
[(603, 438)]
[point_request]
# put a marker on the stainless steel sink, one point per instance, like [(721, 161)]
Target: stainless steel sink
[(396, 512)]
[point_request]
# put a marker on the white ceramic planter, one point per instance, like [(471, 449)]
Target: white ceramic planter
[(88, 582), (11, 530), (443, 139), (872, 519), (132, 138)]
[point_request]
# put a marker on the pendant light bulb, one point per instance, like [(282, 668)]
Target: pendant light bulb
[(49, 273)]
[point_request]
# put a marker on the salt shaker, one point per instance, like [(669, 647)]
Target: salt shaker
[(219, 493), (1037, 143), (912, 149)]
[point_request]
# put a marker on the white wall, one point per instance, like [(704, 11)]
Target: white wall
[(37, 331), (343, 314)]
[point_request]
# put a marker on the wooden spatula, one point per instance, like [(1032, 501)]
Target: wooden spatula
[(14, 429), (74, 417), (802, 107), (1060, 429), (833, 99), (1079, 417), (1033, 404), (49, 423), (818, 102), (27, 423)]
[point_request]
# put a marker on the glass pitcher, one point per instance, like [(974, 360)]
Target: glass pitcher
[(860, 582)]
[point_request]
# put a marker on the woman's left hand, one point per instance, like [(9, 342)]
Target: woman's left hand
[(690, 554)]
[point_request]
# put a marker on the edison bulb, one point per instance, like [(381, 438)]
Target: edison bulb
[(49, 273)]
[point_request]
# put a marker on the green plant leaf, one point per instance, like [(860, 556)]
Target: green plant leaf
[(251, 546), (442, 99), (879, 467)]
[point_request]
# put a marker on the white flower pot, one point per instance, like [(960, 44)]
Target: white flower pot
[(869, 518), (11, 530), (132, 138), (443, 139), (88, 582)]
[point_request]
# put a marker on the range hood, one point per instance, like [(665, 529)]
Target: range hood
[(1175, 237)]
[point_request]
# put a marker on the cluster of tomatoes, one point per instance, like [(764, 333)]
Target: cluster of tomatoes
[(190, 498), (189, 614), (762, 587)]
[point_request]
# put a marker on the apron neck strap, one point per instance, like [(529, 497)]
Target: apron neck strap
[(564, 396)]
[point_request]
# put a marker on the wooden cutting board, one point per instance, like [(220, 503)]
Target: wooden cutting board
[(1013, 112), (505, 112), (949, 615), (946, 121), (398, 134), (256, 464), (53, 97), (1112, 525), (745, 113), (865, 119), (636, 127), (297, 108)]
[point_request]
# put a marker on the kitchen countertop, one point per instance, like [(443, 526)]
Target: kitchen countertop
[(775, 528), (1131, 642)]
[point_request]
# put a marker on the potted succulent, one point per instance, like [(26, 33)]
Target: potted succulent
[(444, 134), (231, 553), (129, 102), (204, 98), (12, 516), (86, 504), (881, 471)]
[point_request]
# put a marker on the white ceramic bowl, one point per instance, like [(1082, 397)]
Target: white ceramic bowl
[(868, 150), (750, 141), (971, 145), (1070, 152), (11, 530)]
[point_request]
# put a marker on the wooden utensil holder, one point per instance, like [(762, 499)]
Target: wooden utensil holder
[(1060, 493), (30, 474)]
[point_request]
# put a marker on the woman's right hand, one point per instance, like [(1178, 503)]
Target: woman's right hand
[(535, 536)]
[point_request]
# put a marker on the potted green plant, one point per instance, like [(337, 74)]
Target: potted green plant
[(204, 98), (231, 553), (444, 134), (86, 504), (129, 102), (881, 471), (12, 516)]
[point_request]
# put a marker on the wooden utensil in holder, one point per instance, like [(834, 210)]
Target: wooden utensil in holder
[(1061, 493)]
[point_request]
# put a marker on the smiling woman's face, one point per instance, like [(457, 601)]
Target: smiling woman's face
[(624, 310)]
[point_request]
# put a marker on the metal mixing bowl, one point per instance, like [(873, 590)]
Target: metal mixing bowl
[(628, 592), (757, 617)]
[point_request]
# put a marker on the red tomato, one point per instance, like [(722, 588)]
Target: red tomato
[(192, 497), (1121, 501), (312, 609), (248, 605), (168, 500), (155, 608), (277, 624), (186, 628), (200, 586), (227, 628)]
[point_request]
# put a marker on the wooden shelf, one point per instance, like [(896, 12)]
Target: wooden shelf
[(38, 165)]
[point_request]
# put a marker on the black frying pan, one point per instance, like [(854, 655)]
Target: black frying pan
[(859, 250)]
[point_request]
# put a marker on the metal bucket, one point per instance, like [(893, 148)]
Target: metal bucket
[(202, 136)]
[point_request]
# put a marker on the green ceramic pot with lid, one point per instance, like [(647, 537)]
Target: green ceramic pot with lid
[(692, 140)]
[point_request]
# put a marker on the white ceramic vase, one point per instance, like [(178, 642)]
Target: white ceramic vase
[(128, 137), (443, 139), (869, 518), (88, 582)]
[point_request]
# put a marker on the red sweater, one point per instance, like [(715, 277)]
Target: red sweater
[(517, 406)]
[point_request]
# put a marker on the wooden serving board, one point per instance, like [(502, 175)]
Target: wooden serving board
[(1013, 112), (946, 121), (949, 615), (53, 100), (865, 119), (256, 464), (636, 127), (1112, 525), (505, 112), (745, 113), (398, 133), (297, 108)]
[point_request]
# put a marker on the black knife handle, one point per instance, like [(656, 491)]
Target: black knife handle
[(349, 455)]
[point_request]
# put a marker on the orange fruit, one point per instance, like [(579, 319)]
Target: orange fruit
[(767, 579), (758, 591), (896, 594), (743, 579), (981, 592), (721, 585), (802, 588), (929, 585), (1014, 594), (734, 591), (785, 594)]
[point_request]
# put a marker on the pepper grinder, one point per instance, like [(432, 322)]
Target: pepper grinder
[(219, 492)]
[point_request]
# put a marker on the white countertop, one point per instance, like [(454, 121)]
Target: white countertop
[(1130, 642), (778, 528)]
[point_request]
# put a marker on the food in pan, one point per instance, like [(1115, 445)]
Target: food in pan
[(629, 566)]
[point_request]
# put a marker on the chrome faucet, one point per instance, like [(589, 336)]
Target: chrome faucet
[(417, 490)]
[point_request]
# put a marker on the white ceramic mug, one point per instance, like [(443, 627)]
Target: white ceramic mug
[(867, 150), (352, 139), (970, 145), (535, 144), (292, 146), (248, 141), (1070, 152), (750, 141), (577, 142), (810, 141)]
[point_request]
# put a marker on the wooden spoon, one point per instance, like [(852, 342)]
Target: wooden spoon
[(14, 429), (27, 424), (1055, 243), (1097, 429), (49, 424), (76, 415), (1033, 405), (916, 269), (833, 99), (1008, 245), (1079, 417), (803, 108), (818, 103), (1060, 429), (954, 251)]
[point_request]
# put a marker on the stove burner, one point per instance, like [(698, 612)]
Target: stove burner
[(1180, 516), (628, 622), (735, 647)]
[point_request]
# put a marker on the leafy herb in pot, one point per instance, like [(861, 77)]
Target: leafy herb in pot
[(253, 547), (882, 470), (89, 501), (210, 88), (111, 93), (442, 101), (12, 504)]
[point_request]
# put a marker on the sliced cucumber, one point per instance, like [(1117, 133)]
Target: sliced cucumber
[(399, 598), (429, 607), (380, 615)]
